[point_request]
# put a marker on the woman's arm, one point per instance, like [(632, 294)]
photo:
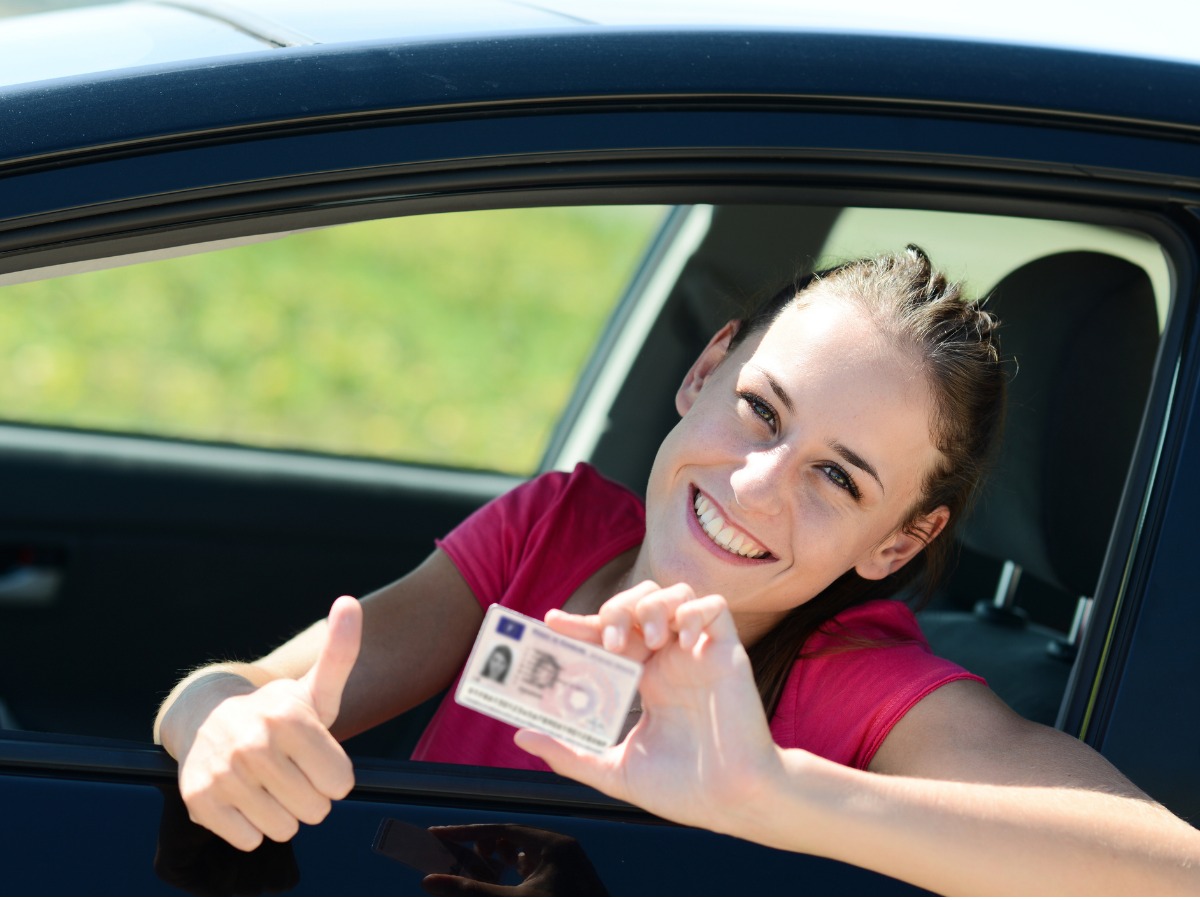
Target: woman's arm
[(976, 799), (965, 796), (256, 741)]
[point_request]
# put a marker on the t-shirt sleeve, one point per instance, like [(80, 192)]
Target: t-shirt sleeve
[(855, 682), (529, 550), (487, 546)]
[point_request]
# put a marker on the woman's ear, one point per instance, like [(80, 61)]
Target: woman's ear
[(902, 546), (703, 367)]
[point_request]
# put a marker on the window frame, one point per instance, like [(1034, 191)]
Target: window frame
[(225, 207)]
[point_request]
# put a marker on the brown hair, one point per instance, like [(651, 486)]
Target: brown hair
[(956, 340)]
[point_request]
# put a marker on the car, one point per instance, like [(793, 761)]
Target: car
[(232, 233)]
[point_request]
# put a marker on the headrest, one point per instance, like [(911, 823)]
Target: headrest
[(1082, 332)]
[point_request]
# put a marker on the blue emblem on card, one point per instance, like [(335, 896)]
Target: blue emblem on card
[(510, 628)]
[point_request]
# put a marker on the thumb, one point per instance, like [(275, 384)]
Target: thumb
[(594, 771), (327, 678)]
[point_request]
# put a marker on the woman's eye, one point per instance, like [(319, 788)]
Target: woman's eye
[(759, 407), (842, 479)]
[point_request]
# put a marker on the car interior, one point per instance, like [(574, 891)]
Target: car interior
[(126, 560)]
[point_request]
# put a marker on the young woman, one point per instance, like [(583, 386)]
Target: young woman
[(825, 447)]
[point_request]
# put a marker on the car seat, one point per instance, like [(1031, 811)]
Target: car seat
[(1081, 331)]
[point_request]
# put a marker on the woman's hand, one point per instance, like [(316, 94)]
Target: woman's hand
[(262, 760), (702, 746)]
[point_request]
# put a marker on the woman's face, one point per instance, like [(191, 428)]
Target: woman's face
[(809, 442), (497, 665)]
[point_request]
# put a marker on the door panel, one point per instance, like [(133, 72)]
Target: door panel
[(166, 567), (126, 834)]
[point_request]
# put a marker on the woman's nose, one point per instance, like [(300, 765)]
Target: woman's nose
[(758, 484)]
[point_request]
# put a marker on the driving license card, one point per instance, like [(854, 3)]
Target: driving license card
[(522, 673)]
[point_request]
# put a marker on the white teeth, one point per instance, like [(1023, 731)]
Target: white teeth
[(724, 536)]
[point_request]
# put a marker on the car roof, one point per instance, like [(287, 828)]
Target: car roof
[(106, 37), (111, 75)]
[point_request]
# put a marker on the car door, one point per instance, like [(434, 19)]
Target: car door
[(137, 551)]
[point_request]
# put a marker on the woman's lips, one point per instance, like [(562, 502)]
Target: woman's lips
[(720, 532)]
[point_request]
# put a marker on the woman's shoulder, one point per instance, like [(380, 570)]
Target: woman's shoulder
[(549, 497), (582, 482), (857, 676), (584, 495), (586, 478), (556, 528), (565, 507)]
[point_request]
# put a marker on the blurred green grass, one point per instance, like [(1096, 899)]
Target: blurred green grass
[(451, 339), (30, 7)]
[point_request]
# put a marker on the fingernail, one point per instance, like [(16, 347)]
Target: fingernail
[(611, 638), (653, 633)]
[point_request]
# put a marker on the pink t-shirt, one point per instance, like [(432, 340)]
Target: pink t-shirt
[(842, 698), (532, 548)]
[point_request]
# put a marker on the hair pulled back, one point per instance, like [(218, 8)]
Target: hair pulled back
[(955, 340)]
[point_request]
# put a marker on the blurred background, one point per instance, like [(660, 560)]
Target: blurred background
[(451, 339), (23, 7)]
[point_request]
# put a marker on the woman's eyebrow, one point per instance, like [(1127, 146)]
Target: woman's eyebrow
[(840, 449), (855, 460), (779, 392)]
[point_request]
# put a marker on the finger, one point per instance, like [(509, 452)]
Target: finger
[(617, 622), (617, 615), (704, 615), (592, 630), (326, 680), (322, 762), (293, 789), (219, 811), (582, 628), (273, 820), (655, 611), (245, 792), (227, 823)]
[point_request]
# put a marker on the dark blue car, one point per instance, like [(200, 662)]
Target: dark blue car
[(213, 422)]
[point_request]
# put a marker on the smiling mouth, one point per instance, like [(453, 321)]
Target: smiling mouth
[(723, 535)]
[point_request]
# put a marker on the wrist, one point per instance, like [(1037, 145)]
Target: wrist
[(187, 707), (749, 810), (798, 803)]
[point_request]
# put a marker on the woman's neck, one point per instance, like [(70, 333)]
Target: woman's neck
[(611, 578), (752, 627)]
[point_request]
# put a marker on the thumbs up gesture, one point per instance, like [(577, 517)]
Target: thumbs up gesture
[(262, 759)]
